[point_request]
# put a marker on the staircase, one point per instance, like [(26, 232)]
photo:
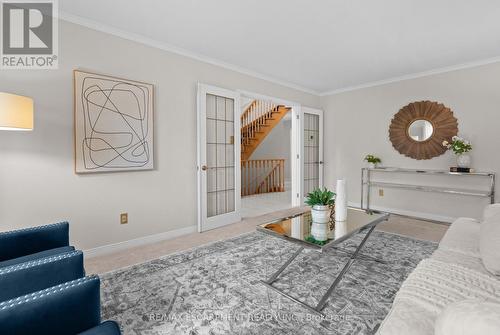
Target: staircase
[(257, 121), (260, 175)]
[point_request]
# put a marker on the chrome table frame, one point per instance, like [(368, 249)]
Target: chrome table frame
[(353, 257), (367, 183)]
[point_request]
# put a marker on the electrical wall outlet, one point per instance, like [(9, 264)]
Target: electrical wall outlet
[(381, 192), (123, 218)]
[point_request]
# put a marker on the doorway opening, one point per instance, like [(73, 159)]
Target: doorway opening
[(266, 151), (256, 154)]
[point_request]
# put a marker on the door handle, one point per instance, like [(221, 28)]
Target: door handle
[(204, 167), (320, 162)]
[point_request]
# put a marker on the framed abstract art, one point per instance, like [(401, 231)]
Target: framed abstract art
[(113, 123)]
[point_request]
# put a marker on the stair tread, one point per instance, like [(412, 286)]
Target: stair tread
[(251, 133)]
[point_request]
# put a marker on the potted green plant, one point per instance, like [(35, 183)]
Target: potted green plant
[(460, 147), (373, 161), (321, 202)]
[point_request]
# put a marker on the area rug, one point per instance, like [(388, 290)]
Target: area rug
[(216, 288)]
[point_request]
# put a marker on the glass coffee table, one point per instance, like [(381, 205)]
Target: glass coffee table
[(297, 229)]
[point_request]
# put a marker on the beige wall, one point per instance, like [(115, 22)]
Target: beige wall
[(357, 123), (277, 144), (37, 183)]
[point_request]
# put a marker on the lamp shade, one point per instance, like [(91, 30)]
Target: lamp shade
[(16, 112)]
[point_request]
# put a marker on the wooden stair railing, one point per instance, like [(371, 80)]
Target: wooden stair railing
[(257, 121), (255, 110), (275, 179), (262, 176)]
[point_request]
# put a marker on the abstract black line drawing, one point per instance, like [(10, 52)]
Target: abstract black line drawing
[(113, 124)]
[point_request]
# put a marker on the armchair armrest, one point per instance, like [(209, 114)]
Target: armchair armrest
[(29, 277), (65, 309), (105, 328), (22, 242)]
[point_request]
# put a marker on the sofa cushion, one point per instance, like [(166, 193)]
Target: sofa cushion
[(490, 211), (489, 244), (462, 237), (35, 256), (430, 288), (408, 318), (469, 317), (471, 262), (105, 328)]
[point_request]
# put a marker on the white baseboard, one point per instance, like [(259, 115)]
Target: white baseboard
[(115, 247), (418, 215)]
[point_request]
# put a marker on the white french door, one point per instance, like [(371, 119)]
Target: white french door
[(219, 170), (312, 149)]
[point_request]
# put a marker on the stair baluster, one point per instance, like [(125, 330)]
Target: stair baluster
[(262, 176)]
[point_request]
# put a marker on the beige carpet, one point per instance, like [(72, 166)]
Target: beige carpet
[(414, 228)]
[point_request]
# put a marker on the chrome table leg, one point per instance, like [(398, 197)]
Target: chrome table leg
[(361, 256), (325, 297), (284, 266), (319, 307)]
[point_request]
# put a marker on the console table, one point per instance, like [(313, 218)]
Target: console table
[(367, 182)]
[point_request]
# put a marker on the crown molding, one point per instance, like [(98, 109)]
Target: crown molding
[(414, 76), (202, 58), (176, 50)]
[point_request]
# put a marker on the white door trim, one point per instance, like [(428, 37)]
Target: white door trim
[(297, 156), (259, 96), (205, 223)]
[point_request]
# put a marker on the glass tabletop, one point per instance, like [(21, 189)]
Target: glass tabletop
[(297, 228)]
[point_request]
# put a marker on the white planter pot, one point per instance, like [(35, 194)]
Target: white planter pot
[(320, 219), (372, 165), (319, 231), (463, 161), (320, 214)]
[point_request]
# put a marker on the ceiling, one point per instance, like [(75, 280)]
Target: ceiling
[(319, 46)]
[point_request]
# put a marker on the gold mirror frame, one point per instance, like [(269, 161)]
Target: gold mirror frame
[(444, 124)]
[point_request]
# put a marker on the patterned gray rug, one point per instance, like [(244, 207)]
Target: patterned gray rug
[(215, 289)]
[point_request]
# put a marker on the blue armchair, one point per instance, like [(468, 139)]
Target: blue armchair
[(67, 309), (29, 244), (21, 279)]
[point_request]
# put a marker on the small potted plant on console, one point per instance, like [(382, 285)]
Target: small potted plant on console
[(373, 161), (460, 147)]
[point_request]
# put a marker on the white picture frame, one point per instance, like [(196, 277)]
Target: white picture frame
[(114, 122)]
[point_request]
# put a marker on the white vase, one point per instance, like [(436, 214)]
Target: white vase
[(341, 201), (372, 165), (340, 229), (319, 231), (464, 161)]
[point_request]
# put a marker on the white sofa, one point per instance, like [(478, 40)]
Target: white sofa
[(455, 272)]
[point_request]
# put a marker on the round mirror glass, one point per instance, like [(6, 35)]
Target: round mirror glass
[(420, 130)]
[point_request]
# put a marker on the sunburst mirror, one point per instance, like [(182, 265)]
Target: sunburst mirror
[(419, 129)]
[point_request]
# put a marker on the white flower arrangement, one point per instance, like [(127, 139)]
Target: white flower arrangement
[(458, 145)]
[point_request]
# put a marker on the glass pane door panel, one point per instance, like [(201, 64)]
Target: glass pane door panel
[(220, 155), (311, 152)]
